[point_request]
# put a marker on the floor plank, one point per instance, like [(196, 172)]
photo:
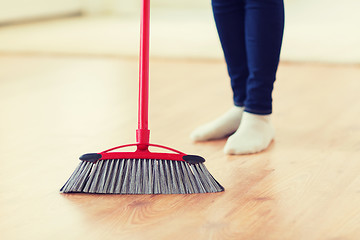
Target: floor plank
[(305, 186)]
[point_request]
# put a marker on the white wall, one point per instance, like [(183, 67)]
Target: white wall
[(118, 7), (180, 3), (126, 7), (15, 10)]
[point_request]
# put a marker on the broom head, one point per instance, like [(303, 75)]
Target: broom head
[(141, 172)]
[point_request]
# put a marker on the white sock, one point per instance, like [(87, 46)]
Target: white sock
[(253, 135), (221, 127)]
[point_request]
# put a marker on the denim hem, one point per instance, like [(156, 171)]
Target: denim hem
[(239, 104), (258, 112)]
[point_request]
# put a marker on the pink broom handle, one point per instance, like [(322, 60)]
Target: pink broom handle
[(143, 133)]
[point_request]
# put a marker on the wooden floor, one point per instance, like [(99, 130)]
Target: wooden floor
[(53, 109)]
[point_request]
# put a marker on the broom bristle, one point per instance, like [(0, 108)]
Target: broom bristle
[(141, 176)]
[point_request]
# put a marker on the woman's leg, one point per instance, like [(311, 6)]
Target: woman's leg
[(229, 18), (264, 24)]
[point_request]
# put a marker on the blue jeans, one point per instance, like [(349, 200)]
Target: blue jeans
[(251, 34)]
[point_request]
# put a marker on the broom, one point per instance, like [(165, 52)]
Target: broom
[(142, 171)]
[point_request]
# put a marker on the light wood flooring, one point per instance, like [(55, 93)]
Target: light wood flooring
[(53, 109)]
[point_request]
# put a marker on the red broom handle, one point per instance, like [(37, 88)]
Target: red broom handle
[(143, 133)]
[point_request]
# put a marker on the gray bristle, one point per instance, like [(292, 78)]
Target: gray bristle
[(141, 176)]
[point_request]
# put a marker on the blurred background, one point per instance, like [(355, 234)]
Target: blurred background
[(315, 31)]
